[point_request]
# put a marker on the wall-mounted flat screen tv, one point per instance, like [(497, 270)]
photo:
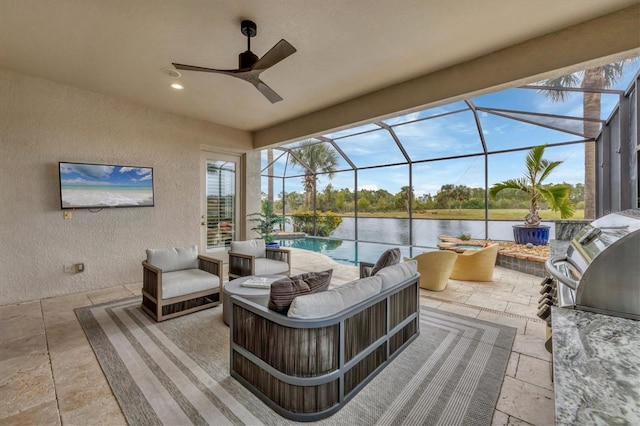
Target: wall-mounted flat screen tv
[(101, 186)]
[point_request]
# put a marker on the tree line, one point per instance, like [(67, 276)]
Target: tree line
[(449, 197)]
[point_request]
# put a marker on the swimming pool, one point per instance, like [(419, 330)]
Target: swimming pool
[(349, 252)]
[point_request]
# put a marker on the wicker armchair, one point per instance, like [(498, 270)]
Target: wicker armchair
[(476, 265), (179, 281), (252, 257), (435, 268)]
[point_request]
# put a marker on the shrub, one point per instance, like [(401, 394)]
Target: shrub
[(327, 223)]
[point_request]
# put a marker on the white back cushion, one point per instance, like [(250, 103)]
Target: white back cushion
[(254, 248), (392, 275), (325, 303), (174, 259)]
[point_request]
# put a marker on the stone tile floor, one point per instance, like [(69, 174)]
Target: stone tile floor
[(49, 374)]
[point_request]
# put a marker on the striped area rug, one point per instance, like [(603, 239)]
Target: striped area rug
[(177, 372)]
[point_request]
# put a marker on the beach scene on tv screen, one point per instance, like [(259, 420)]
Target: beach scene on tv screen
[(92, 185)]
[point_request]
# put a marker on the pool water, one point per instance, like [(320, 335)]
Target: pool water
[(349, 252)]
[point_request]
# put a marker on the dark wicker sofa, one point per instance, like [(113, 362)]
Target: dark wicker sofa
[(307, 369)]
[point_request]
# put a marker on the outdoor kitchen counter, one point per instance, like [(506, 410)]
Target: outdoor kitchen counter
[(596, 368)]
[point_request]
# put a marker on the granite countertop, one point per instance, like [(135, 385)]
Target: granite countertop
[(596, 368)]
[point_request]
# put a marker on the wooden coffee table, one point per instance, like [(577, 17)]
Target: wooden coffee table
[(235, 288)]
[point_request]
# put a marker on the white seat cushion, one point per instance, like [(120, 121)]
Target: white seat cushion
[(266, 266), (254, 248), (180, 283)]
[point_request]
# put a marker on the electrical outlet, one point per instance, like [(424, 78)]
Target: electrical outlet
[(69, 269), (67, 215)]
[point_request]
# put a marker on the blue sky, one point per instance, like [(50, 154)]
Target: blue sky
[(95, 174), (456, 134)]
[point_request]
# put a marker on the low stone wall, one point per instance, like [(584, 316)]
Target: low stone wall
[(521, 265)]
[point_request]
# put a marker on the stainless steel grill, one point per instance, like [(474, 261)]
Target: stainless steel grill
[(600, 271)]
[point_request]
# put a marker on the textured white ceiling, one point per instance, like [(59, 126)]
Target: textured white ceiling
[(346, 48)]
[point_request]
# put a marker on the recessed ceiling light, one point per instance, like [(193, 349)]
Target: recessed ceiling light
[(177, 86), (170, 73)]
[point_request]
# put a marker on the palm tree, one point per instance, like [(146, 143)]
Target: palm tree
[(316, 158), (406, 198), (594, 78), (557, 196)]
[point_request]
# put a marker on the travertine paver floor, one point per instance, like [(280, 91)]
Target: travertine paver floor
[(49, 374)]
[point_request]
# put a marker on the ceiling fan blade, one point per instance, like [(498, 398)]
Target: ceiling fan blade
[(267, 91), (280, 51), (202, 69)]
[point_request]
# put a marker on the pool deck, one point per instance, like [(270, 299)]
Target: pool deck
[(64, 384)]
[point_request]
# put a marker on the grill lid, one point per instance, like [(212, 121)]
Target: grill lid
[(601, 270), (602, 233)]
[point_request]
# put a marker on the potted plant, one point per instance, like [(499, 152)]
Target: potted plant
[(266, 220), (556, 197)]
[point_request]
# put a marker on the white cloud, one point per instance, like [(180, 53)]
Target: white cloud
[(138, 170), (146, 177), (89, 170)]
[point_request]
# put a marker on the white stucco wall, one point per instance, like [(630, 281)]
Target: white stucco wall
[(41, 123)]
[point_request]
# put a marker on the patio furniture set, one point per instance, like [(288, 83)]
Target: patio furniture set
[(296, 344)]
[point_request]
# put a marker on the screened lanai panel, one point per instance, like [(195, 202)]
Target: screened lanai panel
[(511, 205), (516, 99), (319, 157), (383, 204), (572, 102), (371, 149), (571, 125), (449, 196), (293, 194), (277, 164), (335, 205), (417, 115), (352, 131), (433, 181), (505, 133), (298, 144), (291, 168), (440, 137), (608, 104), (539, 100)]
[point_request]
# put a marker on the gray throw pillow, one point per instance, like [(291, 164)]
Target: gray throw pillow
[(388, 258), (286, 289)]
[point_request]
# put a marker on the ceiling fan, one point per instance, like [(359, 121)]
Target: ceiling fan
[(250, 66)]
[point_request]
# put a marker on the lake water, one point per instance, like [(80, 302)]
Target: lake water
[(375, 235)]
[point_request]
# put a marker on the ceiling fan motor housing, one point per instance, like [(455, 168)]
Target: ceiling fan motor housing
[(247, 59)]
